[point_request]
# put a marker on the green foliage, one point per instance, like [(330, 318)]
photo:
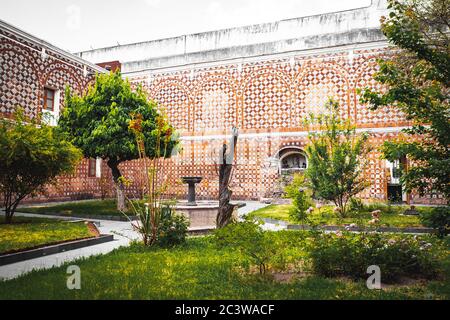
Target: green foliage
[(439, 219), (250, 240), (301, 199), (350, 254), (157, 212), (173, 228), (391, 216), (356, 205), (202, 270), (98, 122), (336, 158), (32, 156), (27, 233), (78, 209), (417, 79), (195, 271)]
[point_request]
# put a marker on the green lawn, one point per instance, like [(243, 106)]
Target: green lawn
[(77, 209), (391, 215), (197, 270), (27, 233)]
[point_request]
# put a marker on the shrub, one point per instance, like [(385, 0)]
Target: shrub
[(32, 155), (248, 237), (356, 205), (438, 218), (350, 254), (173, 228), (301, 199)]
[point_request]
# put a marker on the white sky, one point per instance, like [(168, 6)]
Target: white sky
[(77, 25)]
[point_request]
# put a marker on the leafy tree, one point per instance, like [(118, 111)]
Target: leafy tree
[(417, 76), (98, 122), (31, 157), (336, 159)]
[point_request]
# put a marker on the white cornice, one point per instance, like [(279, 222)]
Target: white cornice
[(261, 58)]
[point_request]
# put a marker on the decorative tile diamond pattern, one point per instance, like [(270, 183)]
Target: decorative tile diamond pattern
[(268, 99)]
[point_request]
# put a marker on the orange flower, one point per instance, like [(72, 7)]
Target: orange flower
[(160, 122), (136, 123)]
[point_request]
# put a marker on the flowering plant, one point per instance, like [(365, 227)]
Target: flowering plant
[(157, 221)]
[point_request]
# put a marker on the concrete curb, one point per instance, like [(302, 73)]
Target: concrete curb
[(53, 249), (356, 229)]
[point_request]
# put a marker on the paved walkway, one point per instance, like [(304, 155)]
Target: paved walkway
[(255, 205), (122, 231)]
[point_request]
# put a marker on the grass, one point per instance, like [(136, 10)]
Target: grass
[(77, 209), (26, 233), (391, 216), (197, 270)]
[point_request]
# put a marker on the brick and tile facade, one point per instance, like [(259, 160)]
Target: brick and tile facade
[(27, 66), (208, 83)]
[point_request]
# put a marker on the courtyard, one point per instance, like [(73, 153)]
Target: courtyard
[(201, 268), (301, 159)]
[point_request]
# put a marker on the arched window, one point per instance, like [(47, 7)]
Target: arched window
[(292, 159)]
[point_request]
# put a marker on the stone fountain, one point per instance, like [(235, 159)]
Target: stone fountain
[(191, 182), (201, 213)]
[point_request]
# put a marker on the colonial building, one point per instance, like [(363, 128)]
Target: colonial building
[(33, 76), (263, 79)]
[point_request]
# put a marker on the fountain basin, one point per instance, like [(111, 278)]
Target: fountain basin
[(190, 180), (202, 215)]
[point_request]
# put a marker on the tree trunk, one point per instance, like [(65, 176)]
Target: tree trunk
[(225, 213), (10, 206), (8, 216), (225, 208), (120, 197), (114, 166)]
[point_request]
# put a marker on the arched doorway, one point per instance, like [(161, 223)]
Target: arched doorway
[(292, 160)]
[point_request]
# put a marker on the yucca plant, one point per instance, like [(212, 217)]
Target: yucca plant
[(154, 191)]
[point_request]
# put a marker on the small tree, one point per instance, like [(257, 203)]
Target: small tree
[(98, 123), (31, 157), (336, 157)]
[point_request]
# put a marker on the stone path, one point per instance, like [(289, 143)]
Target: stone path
[(123, 235), (255, 205), (122, 232)]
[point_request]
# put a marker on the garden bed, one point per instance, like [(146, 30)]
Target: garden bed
[(96, 209), (391, 216), (46, 250), (29, 233), (201, 270)]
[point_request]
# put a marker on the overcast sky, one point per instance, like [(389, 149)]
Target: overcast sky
[(77, 25)]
